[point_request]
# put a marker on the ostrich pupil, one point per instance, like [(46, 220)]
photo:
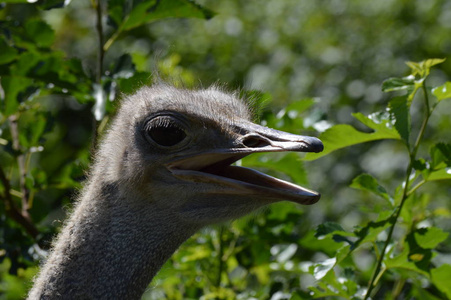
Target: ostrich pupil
[(167, 136)]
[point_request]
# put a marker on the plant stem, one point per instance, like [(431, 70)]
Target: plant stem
[(113, 38), (418, 185), (99, 30), (21, 162), (405, 194)]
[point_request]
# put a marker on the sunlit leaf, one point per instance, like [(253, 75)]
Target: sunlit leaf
[(399, 109), (441, 277), (429, 238), (423, 68), (321, 269), (443, 174), (283, 253), (398, 84), (366, 182), (331, 286), (442, 92), (342, 135), (381, 122)]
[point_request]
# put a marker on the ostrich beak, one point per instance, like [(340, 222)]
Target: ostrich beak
[(216, 166)]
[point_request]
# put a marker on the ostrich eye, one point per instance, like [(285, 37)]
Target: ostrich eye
[(165, 131)]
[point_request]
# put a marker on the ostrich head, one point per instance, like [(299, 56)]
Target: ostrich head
[(174, 148)]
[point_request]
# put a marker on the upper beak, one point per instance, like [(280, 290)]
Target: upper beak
[(215, 166), (264, 139)]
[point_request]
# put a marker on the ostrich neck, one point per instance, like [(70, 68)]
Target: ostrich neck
[(110, 248)]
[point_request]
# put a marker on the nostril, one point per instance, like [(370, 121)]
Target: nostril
[(255, 141)]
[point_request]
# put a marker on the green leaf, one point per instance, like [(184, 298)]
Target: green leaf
[(325, 244), (342, 135), (440, 155), (398, 84), (366, 182), (326, 228), (32, 127), (130, 85), (321, 269), (370, 232), (419, 164), (7, 53), (414, 257), (423, 68), (149, 11), (13, 87), (331, 286), (399, 109), (405, 260), (429, 238), (294, 108), (40, 32), (443, 174), (442, 92), (379, 121), (335, 231), (441, 277)]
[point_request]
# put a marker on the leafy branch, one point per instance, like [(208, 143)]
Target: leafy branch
[(412, 154), (416, 247)]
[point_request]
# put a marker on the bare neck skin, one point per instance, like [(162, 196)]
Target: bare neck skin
[(109, 249)]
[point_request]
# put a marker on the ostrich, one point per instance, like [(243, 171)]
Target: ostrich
[(162, 172)]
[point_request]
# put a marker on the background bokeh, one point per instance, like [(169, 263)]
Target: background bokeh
[(334, 53)]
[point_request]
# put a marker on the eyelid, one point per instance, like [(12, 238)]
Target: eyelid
[(166, 116), (163, 121)]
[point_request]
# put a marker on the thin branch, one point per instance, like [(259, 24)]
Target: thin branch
[(113, 38), (99, 30), (13, 211), (21, 164)]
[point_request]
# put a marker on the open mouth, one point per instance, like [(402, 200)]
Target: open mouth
[(217, 168)]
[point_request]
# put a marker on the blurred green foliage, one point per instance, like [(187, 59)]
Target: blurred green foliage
[(382, 225)]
